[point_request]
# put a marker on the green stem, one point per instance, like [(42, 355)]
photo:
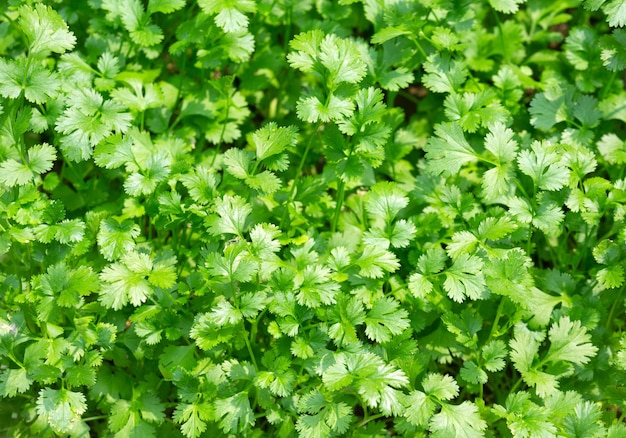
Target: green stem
[(249, 348), (339, 205), (617, 301), (496, 320), (219, 143), (368, 419), (298, 175), (505, 52)]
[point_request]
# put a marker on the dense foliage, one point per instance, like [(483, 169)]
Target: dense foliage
[(312, 218)]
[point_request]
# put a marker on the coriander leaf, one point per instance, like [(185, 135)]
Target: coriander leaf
[(448, 151), (543, 164), (234, 413), (231, 216), (116, 239), (61, 408), (272, 139), (11, 73), (385, 200), (458, 420), (526, 418), (546, 112), (506, 6), (585, 420), (385, 319), (133, 278), (495, 229), (139, 25), (499, 141), (374, 260), (494, 354), (524, 347), (342, 59), (165, 6), (569, 341), (229, 15), (612, 148), (14, 381), (311, 110), (419, 408), (471, 373), (193, 418), (314, 286), (465, 279), (45, 30), (441, 387), (306, 45), (444, 74), (462, 242), (615, 11), (40, 160)]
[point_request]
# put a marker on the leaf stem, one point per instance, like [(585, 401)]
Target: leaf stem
[(249, 347), (339, 204), (366, 420), (496, 320), (617, 300), (296, 179)]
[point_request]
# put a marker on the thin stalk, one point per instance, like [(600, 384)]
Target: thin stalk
[(219, 143), (339, 205), (292, 192), (496, 320), (249, 348), (616, 302)]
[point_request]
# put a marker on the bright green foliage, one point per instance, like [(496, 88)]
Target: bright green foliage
[(312, 218)]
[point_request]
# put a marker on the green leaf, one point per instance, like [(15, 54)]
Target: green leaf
[(385, 319), (444, 74), (464, 279), (525, 417), (441, 387), (133, 278), (61, 408), (234, 413), (471, 373), (570, 342), (342, 59), (586, 420), (231, 216), (506, 6), (40, 160), (615, 11), (524, 347), (385, 200), (272, 139), (305, 46), (419, 408), (116, 239), (165, 6), (612, 148), (448, 151), (543, 164), (229, 15), (311, 110), (14, 381), (494, 354), (139, 26), (192, 418), (314, 286), (374, 261), (459, 421), (45, 30)]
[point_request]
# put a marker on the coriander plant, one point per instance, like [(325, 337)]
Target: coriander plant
[(359, 218)]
